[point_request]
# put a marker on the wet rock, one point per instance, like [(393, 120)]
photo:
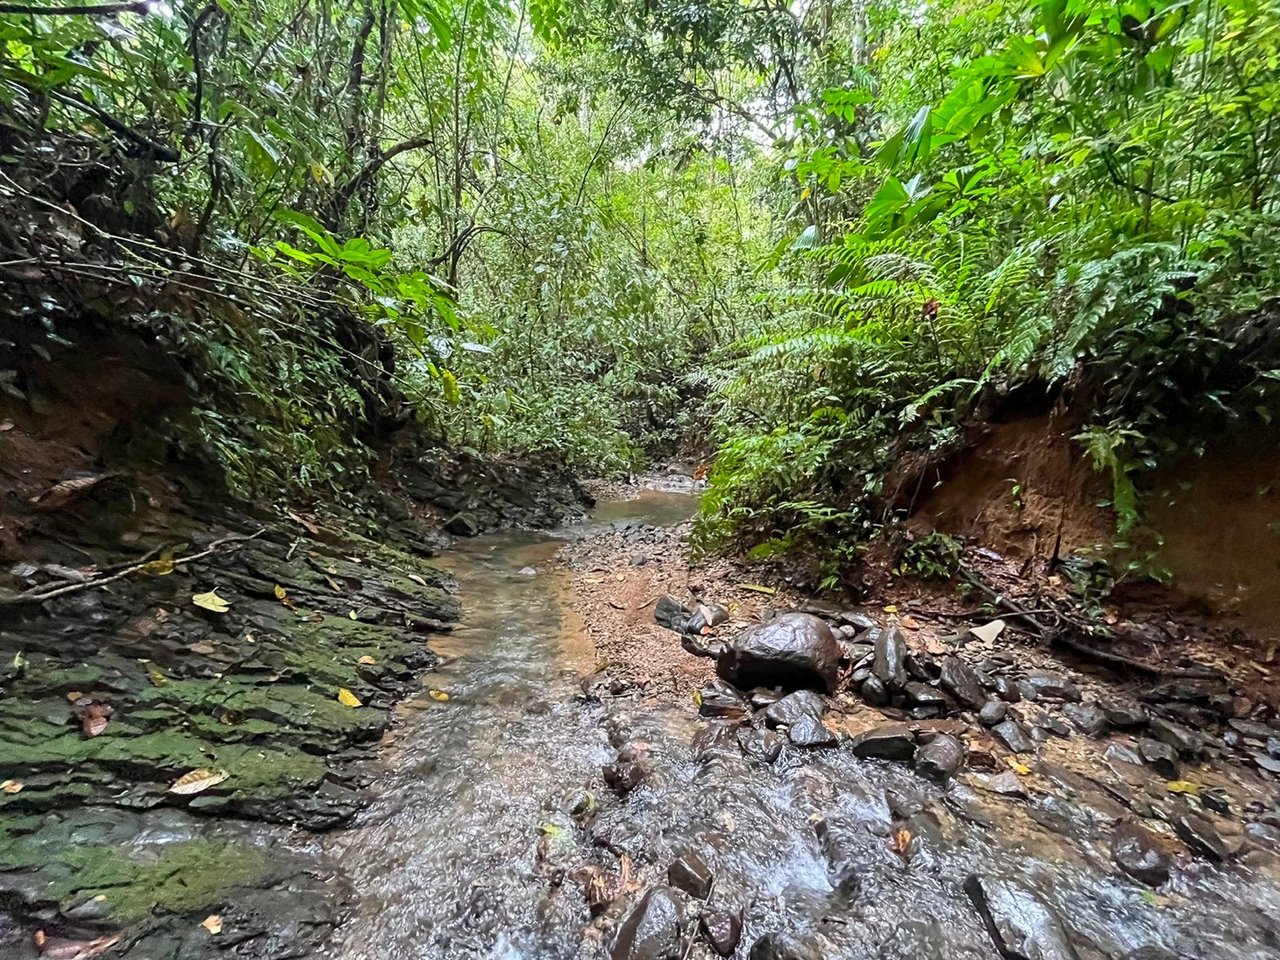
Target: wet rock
[(1013, 737), (690, 873), (857, 620), (959, 680), (1139, 853), (922, 667), (809, 731), (1056, 725), (774, 946), (1028, 925), (671, 613), (757, 745), (923, 695), (891, 741), (1273, 747), (1088, 718), (1052, 686), (1199, 833), (939, 759), (794, 650), (1007, 690), (652, 930), (992, 712), (1266, 762), (763, 696), (874, 691), (890, 658), (1187, 742), (1151, 952), (723, 930), (717, 699), (706, 616), (717, 741), (1123, 714), (1160, 757), (1007, 784), (629, 770), (1253, 730), (788, 710), (463, 525)]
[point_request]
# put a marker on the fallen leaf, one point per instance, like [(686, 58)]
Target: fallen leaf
[(417, 579), (74, 695), (367, 660), (348, 699), (1153, 898), (197, 781), (212, 923), (909, 623), (1018, 766), (61, 494), (757, 588), (1182, 786), (697, 698), (157, 678), (439, 695), (311, 528), (58, 948), (161, 567), (988, 632), (280, 592), (11, 786), (901, 840), (935, 646), (352, 615), (211, 601), (890, 608)]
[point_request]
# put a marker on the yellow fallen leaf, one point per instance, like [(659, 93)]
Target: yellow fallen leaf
[(211, 601), (367, 660), (1018, 766), (348, 699), (697, 698), (439, 695), (161, 567), (212, 923), (74, 695), (758, 588), (281, 592), (352, 615), (891, 608), (1183, 786), (11, 786), (197, 781), (157, 678)]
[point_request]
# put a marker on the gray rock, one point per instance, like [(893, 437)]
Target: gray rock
[(1188, 743), (992, 712), (629, 770), (1267, 762), (1007, 690), (652, 930), (718, 699), (774, 946), (939, 759), (924, 695), (1088, 718), (1137, 851), (1199, 833), (1029, 925), (723, 930), (789, 709), (1053, 686), (1273, 747), (794, 650), (1123, 714), (764, 746), (1056, 725), (1013, 737), (891, 741), (715, 742), (1007, 784), (891, 658), (690, 873), (1160, 757), (959, 680), (809, 731), (671, 613), (874, 691)]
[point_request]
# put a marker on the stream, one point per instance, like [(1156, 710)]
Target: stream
[(469, 849)]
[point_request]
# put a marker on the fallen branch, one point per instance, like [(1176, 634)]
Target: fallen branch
[(39, 596), (91, 10)]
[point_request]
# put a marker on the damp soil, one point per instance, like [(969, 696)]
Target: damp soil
[(501, 827)]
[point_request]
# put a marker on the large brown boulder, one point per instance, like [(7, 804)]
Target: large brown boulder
[(795, 651)]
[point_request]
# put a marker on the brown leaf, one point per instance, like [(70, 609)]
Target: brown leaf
[(197, 781), (12, 786), (900, 842), (909, 623), (63, 493), (57, 948), (311, 528), (212, 923)]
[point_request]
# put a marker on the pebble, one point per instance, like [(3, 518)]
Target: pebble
[(1160, 757), (1007, 690), (690, 873), (723, 930), (874, 691), (809, 731), (1088, 718), (992, 712)]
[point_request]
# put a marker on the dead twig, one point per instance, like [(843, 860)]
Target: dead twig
[(39, 596)]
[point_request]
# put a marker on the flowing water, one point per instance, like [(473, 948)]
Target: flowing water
[(469, 850)]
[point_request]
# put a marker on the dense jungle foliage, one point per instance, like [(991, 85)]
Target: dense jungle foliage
[(808, 239)]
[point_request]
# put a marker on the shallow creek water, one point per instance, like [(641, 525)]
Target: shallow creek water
[(446, 862)]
